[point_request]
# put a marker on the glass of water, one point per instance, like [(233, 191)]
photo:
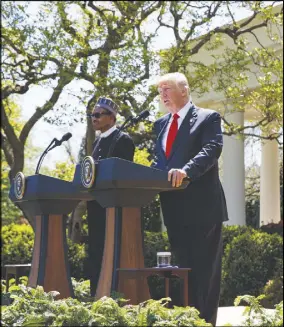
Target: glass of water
[(163, 259)]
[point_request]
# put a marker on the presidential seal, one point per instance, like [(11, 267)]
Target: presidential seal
[(88, 172), (19, 185)]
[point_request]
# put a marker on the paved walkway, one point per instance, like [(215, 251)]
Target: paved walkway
[(233, 315)]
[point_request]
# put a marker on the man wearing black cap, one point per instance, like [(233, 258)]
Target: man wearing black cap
[(103, 120)]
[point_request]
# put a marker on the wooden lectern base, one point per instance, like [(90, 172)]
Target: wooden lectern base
[(50, 266), (123, 249)]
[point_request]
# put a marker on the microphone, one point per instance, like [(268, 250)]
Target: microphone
[(65, 137), (144, 114)]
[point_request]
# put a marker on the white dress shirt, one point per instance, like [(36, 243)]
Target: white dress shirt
[(108, 132), (103, 135), (182, 113)]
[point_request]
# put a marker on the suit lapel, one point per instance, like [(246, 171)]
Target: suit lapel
[(188, 122), (164, 124)]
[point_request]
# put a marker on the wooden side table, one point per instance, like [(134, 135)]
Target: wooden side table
[(17, 271), (167, 273)]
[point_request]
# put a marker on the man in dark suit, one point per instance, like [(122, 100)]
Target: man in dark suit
[(104, 120), (189, 143)]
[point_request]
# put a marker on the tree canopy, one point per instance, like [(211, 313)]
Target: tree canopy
[(107, 48)]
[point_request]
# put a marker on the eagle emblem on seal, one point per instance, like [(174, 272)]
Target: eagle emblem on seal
[(88, 172)]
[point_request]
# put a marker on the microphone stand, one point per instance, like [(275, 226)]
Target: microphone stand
[(43, 155)]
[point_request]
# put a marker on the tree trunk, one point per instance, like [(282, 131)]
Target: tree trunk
[(18, 165), (90, 138), (75, 222)]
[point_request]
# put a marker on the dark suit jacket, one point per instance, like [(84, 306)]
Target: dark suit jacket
[(124, 147), (196, 149)]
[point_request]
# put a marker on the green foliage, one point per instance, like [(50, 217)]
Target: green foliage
[(107, 48), (77, 258), (25, 306), (250, 260), (11, 105), (35, 307), (9, 212), (273, 291), (252, 192), (256, 315), (252, 213), (142, 157), (63, 170), (17, 244), (151, 216), (231, 232), (82, 290), (12, 282)]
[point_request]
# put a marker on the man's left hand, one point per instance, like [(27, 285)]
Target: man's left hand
[(176, 176)]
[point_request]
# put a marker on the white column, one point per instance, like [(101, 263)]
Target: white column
[(234, 172), (269, 183)]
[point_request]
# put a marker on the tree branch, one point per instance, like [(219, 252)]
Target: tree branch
[(66, 24), (28, 55), (203, 21), (40, 112), (18, 89), (232, 32), (240, 130)]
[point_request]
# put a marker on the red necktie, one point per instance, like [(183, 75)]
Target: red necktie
[(172, 135)]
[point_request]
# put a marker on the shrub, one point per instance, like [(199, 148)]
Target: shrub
[(251, 259), (17, 246), (151, 216), (273, 291), (82, 290), (77, 258), (249, 262), (34, 307), (230, 232)]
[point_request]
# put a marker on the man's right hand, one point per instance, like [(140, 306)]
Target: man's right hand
[(176, 176)]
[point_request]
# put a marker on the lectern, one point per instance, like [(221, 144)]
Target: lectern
[(120, 186), (49, 200)]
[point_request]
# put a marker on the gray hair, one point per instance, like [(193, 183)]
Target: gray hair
[(178, 79)]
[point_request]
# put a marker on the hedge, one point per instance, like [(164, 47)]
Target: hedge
[(252, 260), (249, 262), (17, 245)]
